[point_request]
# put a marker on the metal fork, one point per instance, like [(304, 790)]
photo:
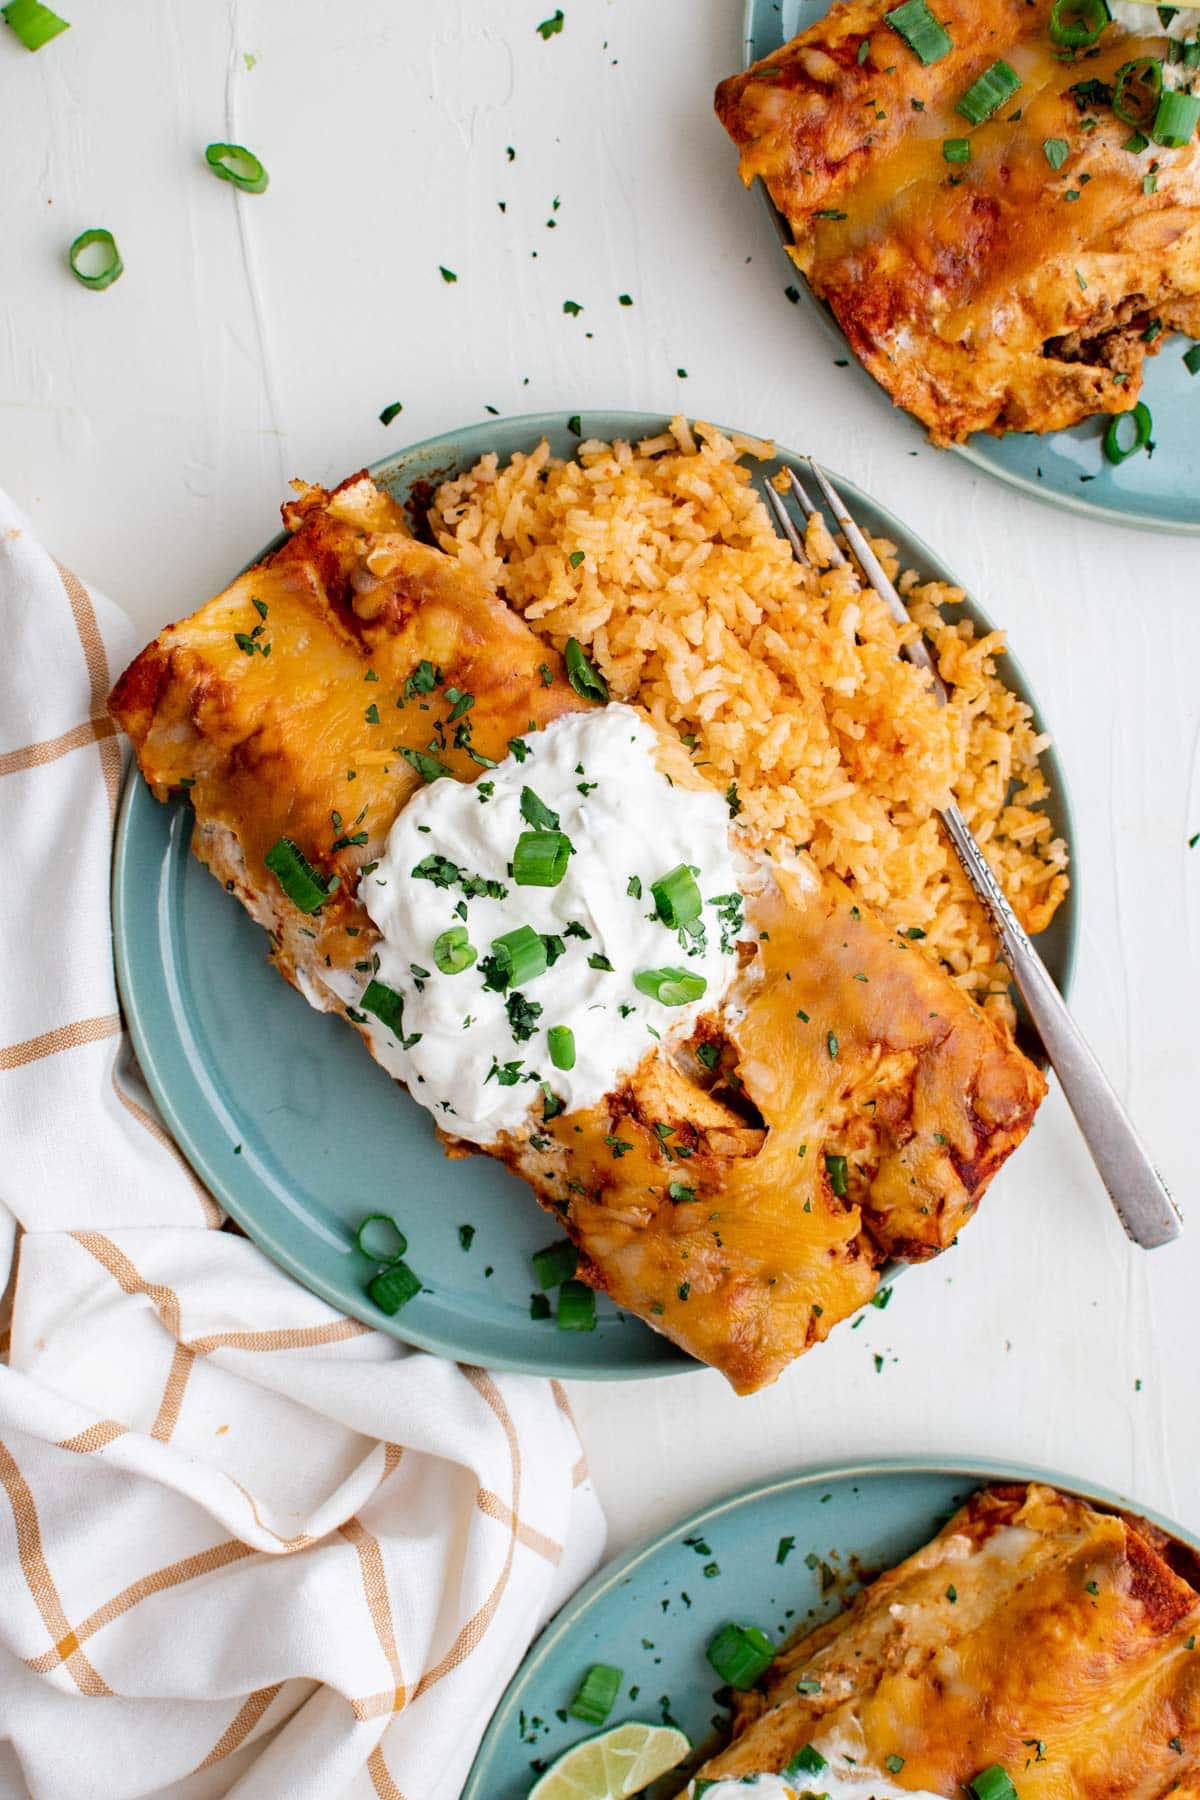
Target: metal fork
[(1136, 1189)]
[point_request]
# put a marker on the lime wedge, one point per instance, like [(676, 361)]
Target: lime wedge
[(613, 1764)]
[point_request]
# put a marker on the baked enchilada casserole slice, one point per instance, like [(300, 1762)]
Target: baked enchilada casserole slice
[(736, 1089), (1003, 225), (1034, 1636)]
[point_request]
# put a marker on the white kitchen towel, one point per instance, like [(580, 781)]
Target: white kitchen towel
[(247, 1545)]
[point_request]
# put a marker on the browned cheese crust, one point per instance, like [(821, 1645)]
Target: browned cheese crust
[(730, 1220), (1033, 1631), (996, 295)]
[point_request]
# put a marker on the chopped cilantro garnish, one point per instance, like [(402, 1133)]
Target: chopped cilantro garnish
[(523, 1016), (535, 812), (427, 767)]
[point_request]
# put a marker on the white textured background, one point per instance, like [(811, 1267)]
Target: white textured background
[(149, 432)]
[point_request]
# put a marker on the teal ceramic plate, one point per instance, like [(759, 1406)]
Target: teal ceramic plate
[(289, 1122), (1066, 468), (652, 1612)]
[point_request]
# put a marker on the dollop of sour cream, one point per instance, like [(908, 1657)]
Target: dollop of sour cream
[(475, 1055), (1141, 18), (857, 1784)]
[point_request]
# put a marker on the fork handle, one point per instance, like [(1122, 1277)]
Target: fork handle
[(1136, 1189)]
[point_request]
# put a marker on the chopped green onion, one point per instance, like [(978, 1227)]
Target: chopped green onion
[(1056, 152), (1176, 119), (521, 955), (923, 34), (989, 93), (561, 1040), (992, 1784), (1137, 87), (676, 897), (33, 23), (576, 1307), (390, 411), (1078, 24), (102, 269), (1143, 425), (233, 162), (296, 876), (670, 987), (1191, 360), (582, 674), (710, 1054), (597, 1693), (540, 858), (555, 1264), (394, 1288), (741, 1654), (835, 1168), (956, 150), (393, 1245), (539, 1306), (1191, 53), (807, 1761), (453, 951)]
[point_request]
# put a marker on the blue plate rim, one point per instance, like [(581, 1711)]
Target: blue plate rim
[(1063, 502), (613, 1574), (219, 1179)]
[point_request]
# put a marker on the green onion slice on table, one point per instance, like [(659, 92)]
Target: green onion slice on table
[(989, 93), (33, 23), (1137, 89), (925, 36), (1078, 24), (540, 858), (676, 897), (741, 1654), (233, 162), (1142, 424), (95, 260), (1175, 119), (597, 1694), (1191, 360), (670, 987)]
